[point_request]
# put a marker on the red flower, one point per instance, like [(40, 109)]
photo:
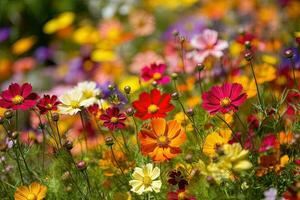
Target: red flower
[(18, 97), (223, 99), (179, 195), (113, 119), (155, 73), (47, 104), (152, 105)]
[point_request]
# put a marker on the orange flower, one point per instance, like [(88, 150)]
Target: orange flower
[(285, 138), (161, 139)]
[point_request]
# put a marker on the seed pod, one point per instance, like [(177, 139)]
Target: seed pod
[(55, 117), (289, 54), (81, 165), (175, 96), (174, 76), (9, 114), (130, 111), (109, 141), (248, 56), (127, 89), (68, 145)]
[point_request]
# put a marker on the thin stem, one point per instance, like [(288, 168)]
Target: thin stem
[(19, 166), (23, 158), (244, 126), (124, 141), (294, 74), (58, 133), (200, 84), (136, 133), (87, 181), (84, 130), (233, 133), (256, 84), (114, 157)]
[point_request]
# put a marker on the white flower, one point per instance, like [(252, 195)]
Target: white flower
[(89, 91), (72, 101), (144, 179), (207, 44)]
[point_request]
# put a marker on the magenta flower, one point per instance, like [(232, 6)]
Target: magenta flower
[(113, 119), (223, 99), (269, 142), (207, 44), (18, 97), (156, 72)]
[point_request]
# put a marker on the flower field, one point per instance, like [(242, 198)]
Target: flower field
[(150, 100)]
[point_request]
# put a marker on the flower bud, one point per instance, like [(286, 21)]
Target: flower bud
[(130, 111), (99, 96), (154, 84), (81, 165), (14, 135), (289, 54), (8, 114), (248, 56), (175, 96), (109, 141), (55, 117), (174, 76), (68, 145), (2, 120), (127, 89), (200, 67), (248, 44), (190, 112), (110, 87)]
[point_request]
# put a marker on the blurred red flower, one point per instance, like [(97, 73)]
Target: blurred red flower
[(113, 119), (48, 103)]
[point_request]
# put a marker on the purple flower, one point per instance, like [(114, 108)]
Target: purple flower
[(187, 27), (286, 63), (43, 54), (4, 33), (114, 96), (270, 194)]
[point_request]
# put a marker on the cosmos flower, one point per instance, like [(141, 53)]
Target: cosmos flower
[(48, 103), (4, 33), (144, 179), (113, 119), (73, 101), (223, 99), (176, 178), (214, 141), (34, 191), (161, 140), (143, 23), (180, 194), (143, 59), (269, 142), (155, 73), (18, 97), (89, 91), (207, 44), (152, 105)]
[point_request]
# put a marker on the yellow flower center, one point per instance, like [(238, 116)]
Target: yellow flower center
[(49, 106), (31, 196), (156, 76), (152, 108), (225, 102), (75, 104), (181, 195), (18, 99), (162, 141), (147, 181), (114, 120)]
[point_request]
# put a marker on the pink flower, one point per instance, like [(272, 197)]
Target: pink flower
[(143, 59), (18, 97), (207, 44), (155, 73), (113, 118), (223, 99), (269, 142)]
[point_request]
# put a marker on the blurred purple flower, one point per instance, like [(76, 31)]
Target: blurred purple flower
[(43, 54), (4, 33), (187, 27), (270, 194), (115, 96)]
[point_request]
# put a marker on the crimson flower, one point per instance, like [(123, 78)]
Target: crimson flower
[(176, 178), (113, 119), (223, 99), (180, 194), (152, 105), (18, 97), (48, 103), (155, 73)]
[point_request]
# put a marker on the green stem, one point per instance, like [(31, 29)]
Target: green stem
[(256, 84), (115, 159), (84, 130)]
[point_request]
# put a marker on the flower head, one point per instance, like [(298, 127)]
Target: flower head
[(48, 103), (223, 99), (18, 97), (144, 179), (161, 140), (155, 73), (214, 141), (89, 90), (176, 178), (34, 191), (207, 44), (152, 105), (113, 119), (269, 142)]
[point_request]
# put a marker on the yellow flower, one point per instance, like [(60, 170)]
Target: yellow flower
[(272, 60), (132, 81), (169, 4), (34, 191), (265, 73), (214, 141), (234, 158), (86, 35), (58, 23), (22, 45), (102, 55), (144, 179), (182, 119), (248, 85)]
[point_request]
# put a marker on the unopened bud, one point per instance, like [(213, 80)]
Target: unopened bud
[(109, 141), (81, 165), (127, 89)]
